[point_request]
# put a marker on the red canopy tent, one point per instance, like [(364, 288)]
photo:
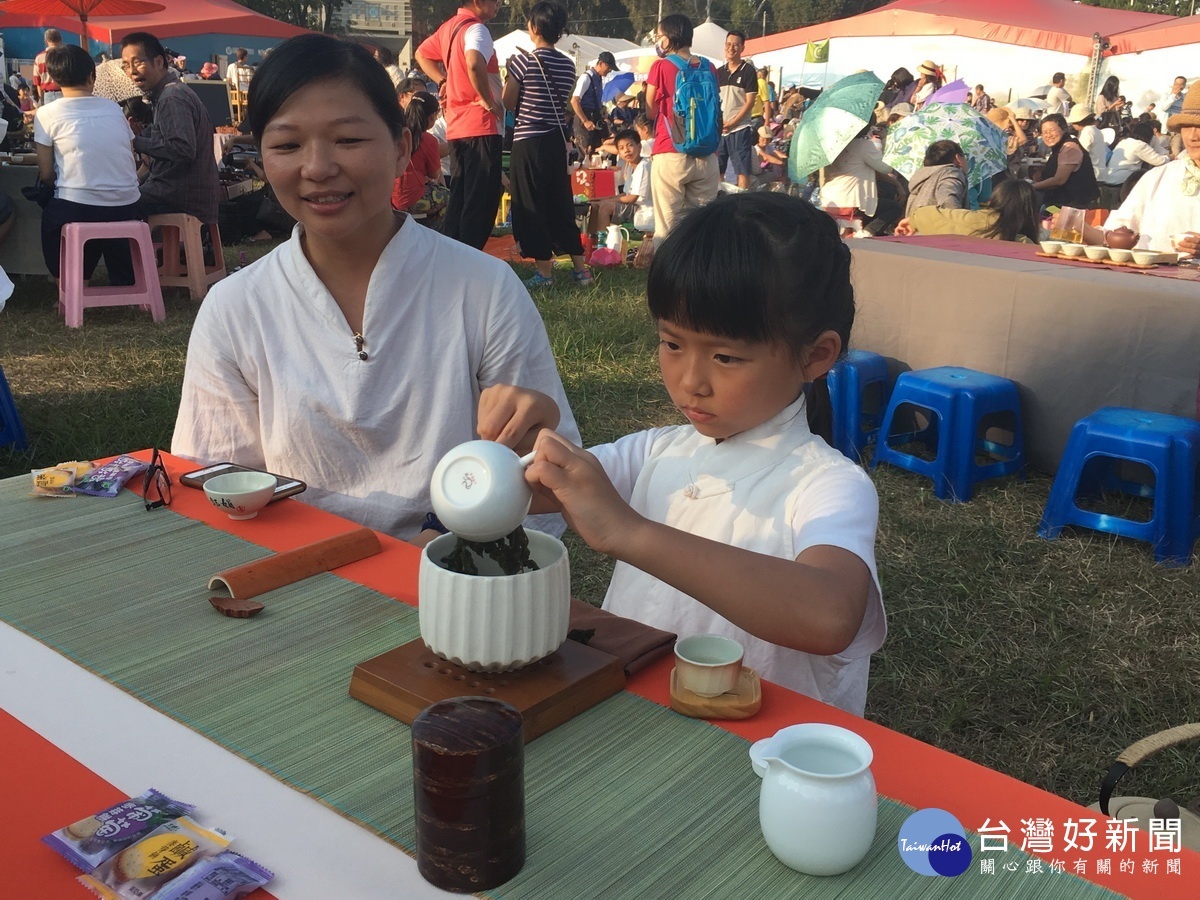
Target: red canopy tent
[(1060, 25), (181, 18), (1172, 33)]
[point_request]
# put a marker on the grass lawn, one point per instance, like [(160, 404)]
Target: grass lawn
[(1040, 659)]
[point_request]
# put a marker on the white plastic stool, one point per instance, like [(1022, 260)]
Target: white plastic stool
[(193, 274), (75, 294)]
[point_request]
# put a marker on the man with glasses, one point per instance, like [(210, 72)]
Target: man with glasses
[(460, 59), (181, 173), (738, 83)]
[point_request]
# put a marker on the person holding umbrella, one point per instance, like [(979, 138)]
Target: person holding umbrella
[(851, 182)]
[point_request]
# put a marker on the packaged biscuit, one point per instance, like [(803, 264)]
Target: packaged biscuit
[(108, 479), (144, 866), (53, 482), (89, 842), (225, 876)]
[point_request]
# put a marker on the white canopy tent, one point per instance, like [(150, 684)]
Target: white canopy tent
[(581, 48), (708, 39)]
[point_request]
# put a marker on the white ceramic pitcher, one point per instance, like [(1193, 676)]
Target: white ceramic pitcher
[(817, 805)]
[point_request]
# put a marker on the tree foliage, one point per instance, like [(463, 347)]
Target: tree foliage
[(631, 19), (1162, 7), (305, 13)]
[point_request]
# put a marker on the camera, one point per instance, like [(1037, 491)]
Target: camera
[(240, 158)]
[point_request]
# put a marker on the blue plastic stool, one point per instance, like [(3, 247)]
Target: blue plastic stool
[(11, 430), (852, 377), (1168, 445), (963, 405)]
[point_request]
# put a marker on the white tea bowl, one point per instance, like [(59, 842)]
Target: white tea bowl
[(1051, 247), (1121, 256), (708, 664), (1073, 249), (240, 494), (493, 622), (1096, 253), (478, 490)]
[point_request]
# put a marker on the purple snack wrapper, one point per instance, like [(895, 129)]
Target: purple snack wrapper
[(225, 876), (108, 479), (89, 842)]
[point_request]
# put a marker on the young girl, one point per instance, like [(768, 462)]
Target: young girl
[(744, 522), (421, 190)]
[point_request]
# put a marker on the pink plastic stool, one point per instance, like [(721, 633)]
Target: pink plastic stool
[(74, 293), (193, 274)]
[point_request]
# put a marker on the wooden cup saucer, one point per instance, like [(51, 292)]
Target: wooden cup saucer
[(740, 703)]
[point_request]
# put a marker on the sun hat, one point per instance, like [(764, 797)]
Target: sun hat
[(608, 59), (1079, 113), (1190, 114), (208, 68), (766, 132), (880, 110), (929, 67), (902, 109)]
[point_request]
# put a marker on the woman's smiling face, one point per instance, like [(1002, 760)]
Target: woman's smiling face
[(332, 161)]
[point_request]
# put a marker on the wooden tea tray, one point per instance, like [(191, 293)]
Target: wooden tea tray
[(1096, 262), (403, 681), (740, 703)]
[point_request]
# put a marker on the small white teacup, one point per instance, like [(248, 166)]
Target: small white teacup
[(708, 664)]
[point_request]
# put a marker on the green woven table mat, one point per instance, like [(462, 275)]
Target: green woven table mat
[(626, 800)]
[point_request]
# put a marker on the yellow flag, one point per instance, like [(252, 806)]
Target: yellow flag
[(817, 51)]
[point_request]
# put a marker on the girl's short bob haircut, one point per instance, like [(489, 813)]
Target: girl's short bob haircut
[(760, 267), (308, 58)]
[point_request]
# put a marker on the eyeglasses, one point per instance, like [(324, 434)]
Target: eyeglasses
[(156, 488)]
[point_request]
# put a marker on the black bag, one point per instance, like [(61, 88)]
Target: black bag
[(39, 192)]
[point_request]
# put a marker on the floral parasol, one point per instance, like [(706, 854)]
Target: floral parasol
[(113, 83), (983, 143)]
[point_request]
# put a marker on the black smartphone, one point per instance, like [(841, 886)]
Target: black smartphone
[(284, 486)]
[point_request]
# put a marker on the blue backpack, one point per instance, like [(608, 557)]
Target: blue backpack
[(695, 122)]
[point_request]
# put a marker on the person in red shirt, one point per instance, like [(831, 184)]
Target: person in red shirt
[(45, 88), (678, 182), (413, 192), (460, 59)]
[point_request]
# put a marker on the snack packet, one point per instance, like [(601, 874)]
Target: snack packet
[(53, 482), (108, 479), (225, 876), (89, 842), (79, 466), (143, 867)]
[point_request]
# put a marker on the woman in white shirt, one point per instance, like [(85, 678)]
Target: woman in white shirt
[(1129, 155), (850, 182), (85, 150)]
